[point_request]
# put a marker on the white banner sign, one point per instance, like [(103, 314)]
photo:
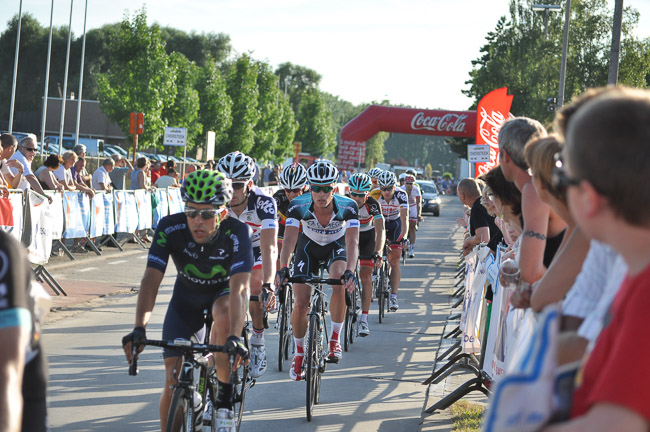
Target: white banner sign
[(478, 153), (56, 211), (175, 136), (40, 241)]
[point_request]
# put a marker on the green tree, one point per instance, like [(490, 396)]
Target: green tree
[(199, 48), (295, 80), (215, 111), (517, 55), (286, 130), (375, 149), (266, 130), (184, 109), (316, 131), (140, 78), (242, 89)]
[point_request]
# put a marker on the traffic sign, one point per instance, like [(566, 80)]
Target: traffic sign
[(478, 153), (175, 136)]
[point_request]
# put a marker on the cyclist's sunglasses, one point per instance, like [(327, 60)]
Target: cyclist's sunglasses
[(206, 214), (238, 185), (326, 189), (358, 194), (292, 190), (387, 188)]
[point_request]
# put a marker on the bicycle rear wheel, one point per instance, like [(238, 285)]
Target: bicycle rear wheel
[(381, 290), (312, 357), (180, 418), (241, 384), (347, 321)]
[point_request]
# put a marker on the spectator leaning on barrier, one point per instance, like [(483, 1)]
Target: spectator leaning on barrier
[(121, 169), (168, 180), (9, 144), (610, 134), (45, 173), (482, 228), (25, 155), (63, 174), (543, 229), (156, 170), (101, 177), (86, 178), (139, 178), (507, 202), (76, 170)]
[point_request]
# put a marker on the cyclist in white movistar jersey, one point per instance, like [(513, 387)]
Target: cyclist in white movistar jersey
[(255, 208), (394, 207)]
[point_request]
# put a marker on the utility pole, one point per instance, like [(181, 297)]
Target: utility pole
[(612, 77)]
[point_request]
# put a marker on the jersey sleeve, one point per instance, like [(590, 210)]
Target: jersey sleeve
[(402, 199), (160, 248), (267, 211), (294, 215), (242, 250), (15, 279)]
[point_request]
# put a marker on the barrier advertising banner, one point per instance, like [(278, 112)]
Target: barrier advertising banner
[(11, 215), (143, 204), (474, 308), (175, 200), (109, 215), (40, 239), (77, 214), (126, 212), (56, 211), (98, 212), (160, 206), (491, 112)]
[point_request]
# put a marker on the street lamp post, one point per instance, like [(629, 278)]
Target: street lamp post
[(547, 9)]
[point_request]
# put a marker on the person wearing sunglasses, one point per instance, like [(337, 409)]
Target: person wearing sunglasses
[(372, 236), (25, 155), (9, 144), (255, 208), (374, 173), (293, 180), (415, 210), (394, 207), (214, 258), (330, 234)]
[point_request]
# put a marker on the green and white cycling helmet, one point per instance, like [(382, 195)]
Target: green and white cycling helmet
[(207, 187)]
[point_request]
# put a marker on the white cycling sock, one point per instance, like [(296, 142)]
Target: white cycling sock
[(257, 337), (364, 317), (336, 329), (300, 350)]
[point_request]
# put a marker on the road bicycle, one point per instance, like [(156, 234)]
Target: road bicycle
[(381, 285), (317, 339), (406, 244), (196, 388), (284, 297), (351, 322)]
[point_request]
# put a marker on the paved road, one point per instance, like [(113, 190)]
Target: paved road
[(375, 387)]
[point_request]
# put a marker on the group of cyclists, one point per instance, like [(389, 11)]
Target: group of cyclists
[(234, 245)]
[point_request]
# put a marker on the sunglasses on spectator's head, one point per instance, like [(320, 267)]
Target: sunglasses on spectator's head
[(358, 194), (559, 177), (326, 189), (292, 190), (30, 149), (205, 213), (238, 185), (386, 188)]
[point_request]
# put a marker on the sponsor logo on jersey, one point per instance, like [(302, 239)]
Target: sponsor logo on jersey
[(173, 228), (157, 260), (301, 264), (192, 270), (162, 241), (340, 251), (188, 252), (266, 205)]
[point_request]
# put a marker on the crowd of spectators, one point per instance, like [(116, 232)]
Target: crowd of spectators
[(571, 208)]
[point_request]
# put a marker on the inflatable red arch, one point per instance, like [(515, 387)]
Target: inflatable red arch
[(492, 111)]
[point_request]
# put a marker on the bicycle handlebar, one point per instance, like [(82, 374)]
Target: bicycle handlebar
[(314, 280), (184, 345)]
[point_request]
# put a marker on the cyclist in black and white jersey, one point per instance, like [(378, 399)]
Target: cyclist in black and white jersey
[(293, 182), (330, 225), (213, 255), (258, 210), (394, 207), (23, 375), (371, 240)]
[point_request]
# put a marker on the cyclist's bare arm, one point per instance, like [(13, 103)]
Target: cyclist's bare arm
[(289, 244), (404, 219), (352, 251), (268, 247), (239, 286), (12, 363), (147, 296), (380, 234)]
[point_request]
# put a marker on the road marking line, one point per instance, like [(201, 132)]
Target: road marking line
[(118, 262), (87, 269)]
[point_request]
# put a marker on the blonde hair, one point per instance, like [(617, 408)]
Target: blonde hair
[(539, 154)]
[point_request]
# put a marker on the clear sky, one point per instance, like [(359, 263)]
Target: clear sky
[(414, 52)]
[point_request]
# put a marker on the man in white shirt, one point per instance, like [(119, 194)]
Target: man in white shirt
[(101, 177), (25, 155), (9, 144), (168, 180)]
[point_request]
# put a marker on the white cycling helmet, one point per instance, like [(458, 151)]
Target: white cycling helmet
[(375, 172), (387, 179), (293, 176), (402, 176), (322, 173), (237, 166)]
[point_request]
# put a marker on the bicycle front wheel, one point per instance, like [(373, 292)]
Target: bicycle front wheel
[(180, 418), (283, 328), (312, 357), (381, 291)]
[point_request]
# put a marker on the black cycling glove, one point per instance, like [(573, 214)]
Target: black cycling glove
[(138, 337), (283, 275), (347, 275), (235, 346)]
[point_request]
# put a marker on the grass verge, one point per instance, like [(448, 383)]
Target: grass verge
[(467, 416)]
